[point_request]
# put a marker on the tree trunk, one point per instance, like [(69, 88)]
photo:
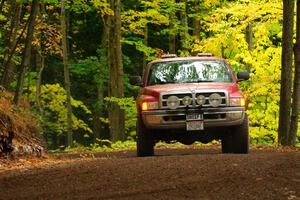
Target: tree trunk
[(66, 75), (116, 88), (98, 112), (296, 93), (172, 33), (286, 71), (8, 64), (146, 44), (196, 20), (26, 53), (249, 39), (172, 39), (40, 64), (184, 23), (98, 125), (249, 36)]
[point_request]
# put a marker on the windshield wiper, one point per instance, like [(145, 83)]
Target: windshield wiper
[(204, 81), (166, 82)]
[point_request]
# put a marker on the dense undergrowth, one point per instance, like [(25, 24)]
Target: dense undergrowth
[(130, 145)]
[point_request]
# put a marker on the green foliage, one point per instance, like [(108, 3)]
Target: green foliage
[(82, 6), (152, 13), (222, 31), (129, 106), (263, 135), (2, 20), (90, 69), (97, 147), (227, 27), (2, 17), (54, 112), (149, 52)]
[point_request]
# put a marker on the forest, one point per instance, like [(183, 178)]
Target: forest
[(66, 64)]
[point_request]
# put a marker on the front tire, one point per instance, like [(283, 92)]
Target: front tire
[(237, 140), (145, 142)]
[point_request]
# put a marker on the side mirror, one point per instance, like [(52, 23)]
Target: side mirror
[(136, 81), (243, 76)]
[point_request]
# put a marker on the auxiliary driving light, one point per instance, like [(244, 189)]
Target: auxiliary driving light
[(201, 100), (215, 99), (187, 101), (173, 102)]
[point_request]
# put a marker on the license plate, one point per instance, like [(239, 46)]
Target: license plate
[(194, 125), (194, 122)]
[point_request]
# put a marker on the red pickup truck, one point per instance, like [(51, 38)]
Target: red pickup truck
[(188, 99)]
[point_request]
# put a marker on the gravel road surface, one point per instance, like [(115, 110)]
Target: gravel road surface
[(199, 173)]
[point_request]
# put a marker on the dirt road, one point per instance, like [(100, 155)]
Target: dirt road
[(173, 174)]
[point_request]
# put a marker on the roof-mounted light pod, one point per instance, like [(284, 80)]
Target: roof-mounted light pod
[(168, 56)]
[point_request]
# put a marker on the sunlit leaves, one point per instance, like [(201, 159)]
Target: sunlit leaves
[(129, 106), (102, 7), (152, 13), (149, 52), (53, 103), (227, 26)]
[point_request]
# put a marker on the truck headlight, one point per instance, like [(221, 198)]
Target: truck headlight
[(149, 106), (173, 102), (237, 102), (215, 100)]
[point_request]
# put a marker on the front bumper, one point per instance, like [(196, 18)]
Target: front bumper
[(176, 119)]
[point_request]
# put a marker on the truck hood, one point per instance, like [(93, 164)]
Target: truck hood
[(156, 90)]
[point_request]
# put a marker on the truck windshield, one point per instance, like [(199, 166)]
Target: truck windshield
[(189, 72)]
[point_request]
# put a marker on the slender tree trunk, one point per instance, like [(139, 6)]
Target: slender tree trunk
[(40, 64), (286, 72), (223, 51), (66, 75), (98, 112), (172, 36), (146, 44), (98, 125), (296, 93), (172, 33), (116, 88), (196, 20), (8, 64), (249, 36), (249, 39), (26, 53), (184, 21)]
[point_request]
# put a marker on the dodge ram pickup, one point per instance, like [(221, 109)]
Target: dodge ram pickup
[(188, 99)]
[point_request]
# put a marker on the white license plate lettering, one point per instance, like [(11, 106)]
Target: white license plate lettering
[(194, 117)]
